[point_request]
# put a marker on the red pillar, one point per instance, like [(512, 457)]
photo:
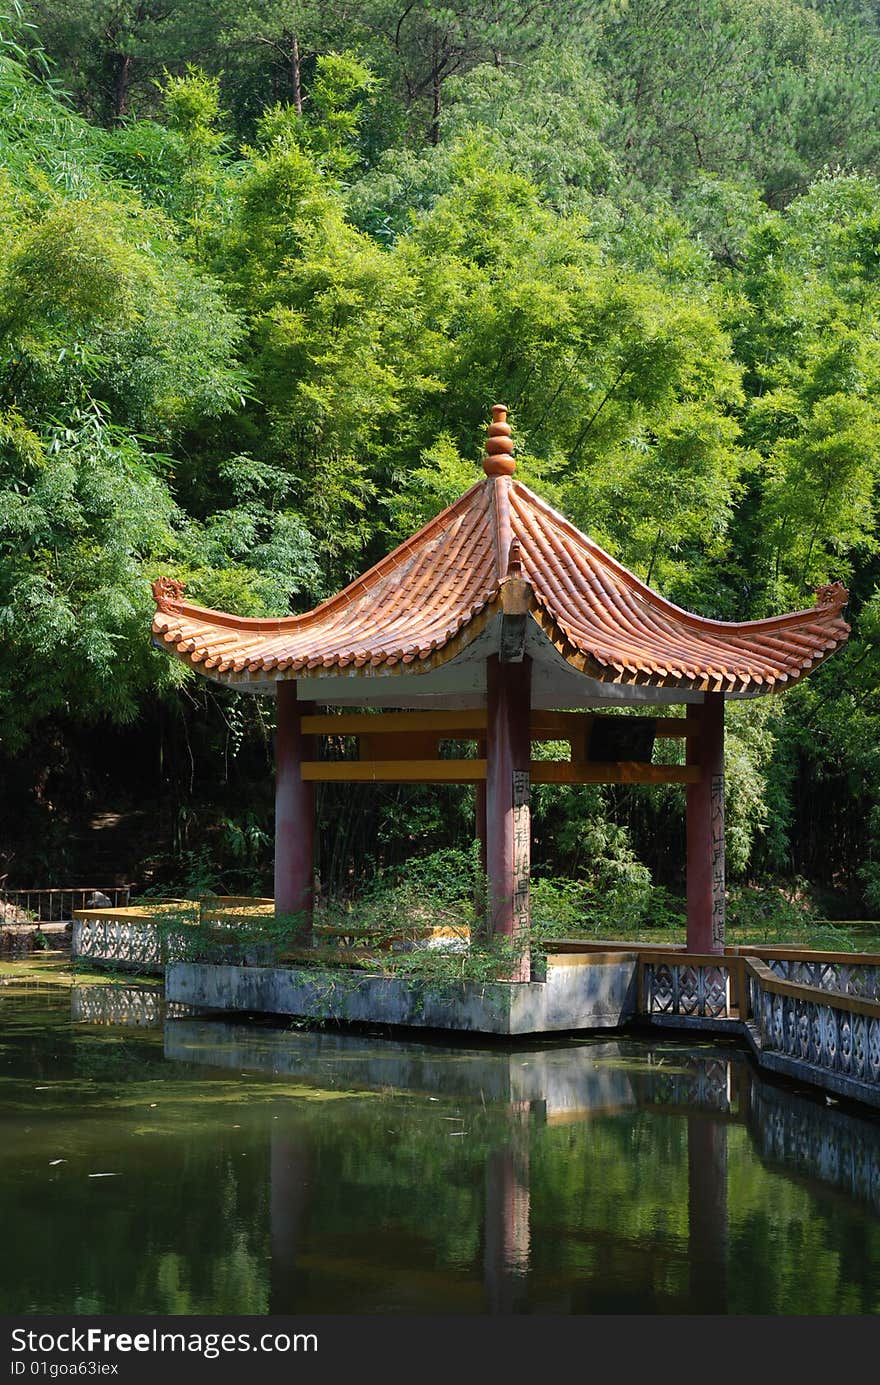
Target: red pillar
[(294, 812), (508, 752), (705, 827), (480, 834)]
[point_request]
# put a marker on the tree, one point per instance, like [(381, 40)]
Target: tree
[(541, 118), (109, 51), (769, 92), (112, 349)]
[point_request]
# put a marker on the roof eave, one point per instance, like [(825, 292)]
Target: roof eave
[(408, 664), (737, 685)]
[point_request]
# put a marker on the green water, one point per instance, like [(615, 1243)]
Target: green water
[(254, 1170)]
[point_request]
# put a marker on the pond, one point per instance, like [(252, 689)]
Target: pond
[(164, 1163)]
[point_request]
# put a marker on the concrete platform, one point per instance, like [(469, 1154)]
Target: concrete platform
[(593, 991), (581, 992)]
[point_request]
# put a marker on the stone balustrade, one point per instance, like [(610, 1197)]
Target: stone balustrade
[(832, 1030), (825, 1030), (133, 938)]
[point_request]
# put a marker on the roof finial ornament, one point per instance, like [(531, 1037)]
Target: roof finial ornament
[(167, 589), (832, 594), (514, 559), (499, 460)]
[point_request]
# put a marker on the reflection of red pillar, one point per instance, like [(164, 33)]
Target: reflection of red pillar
[(506, 1235), (705, 827), (294, 812), (508, 750), (707, 1214), (288, 1198)]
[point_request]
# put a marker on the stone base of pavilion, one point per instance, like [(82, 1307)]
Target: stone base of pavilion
[(579, 991), (807, 1015)]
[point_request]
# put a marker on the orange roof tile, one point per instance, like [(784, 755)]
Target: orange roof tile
[(437, 591)]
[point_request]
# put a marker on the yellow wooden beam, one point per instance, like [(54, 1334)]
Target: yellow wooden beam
[(549, 726), (474, 771), (368, 723), (615, 772), (394, 771), (469, 723)]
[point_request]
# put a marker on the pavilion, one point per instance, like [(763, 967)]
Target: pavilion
[(500, 623)]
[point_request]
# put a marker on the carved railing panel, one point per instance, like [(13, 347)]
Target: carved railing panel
[(695, 988), (661, 988), (827, 1029), (833, 1030), (855, 978), (127, 942)]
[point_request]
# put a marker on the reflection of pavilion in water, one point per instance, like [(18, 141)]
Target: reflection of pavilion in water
[(552, 1086)]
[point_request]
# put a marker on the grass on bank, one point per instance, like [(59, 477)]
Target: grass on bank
[(54, 967)]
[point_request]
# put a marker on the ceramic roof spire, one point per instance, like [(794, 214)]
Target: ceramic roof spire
[(499, 459)]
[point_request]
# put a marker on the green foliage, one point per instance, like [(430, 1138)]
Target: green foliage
[(620, 903), (769, 90), (782, 916), (111, 347), (444, 888), (253, 311), (806, 332), (542, 121), (748, 750), (76, 517), (191, 106)]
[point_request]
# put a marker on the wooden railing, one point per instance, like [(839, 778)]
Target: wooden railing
[(842, 972), (680, 979), (59, 905)]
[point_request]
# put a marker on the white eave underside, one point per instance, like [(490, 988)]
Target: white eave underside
[(461, 683)]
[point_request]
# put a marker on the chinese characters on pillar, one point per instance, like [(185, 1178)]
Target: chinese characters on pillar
[(521, 851), (717, 816)]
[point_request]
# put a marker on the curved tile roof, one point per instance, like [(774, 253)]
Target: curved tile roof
[(408, 605), (623, 631), (437, 591)]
